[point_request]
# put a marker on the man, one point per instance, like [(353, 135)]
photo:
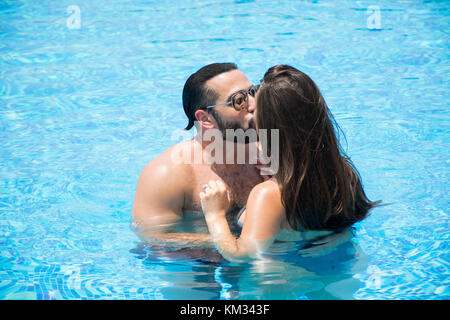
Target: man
[(216, 97)]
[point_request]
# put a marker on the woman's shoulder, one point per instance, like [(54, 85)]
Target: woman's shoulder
[(268, 187), (266, 193)]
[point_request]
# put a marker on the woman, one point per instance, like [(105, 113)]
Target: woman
[(316, 186)]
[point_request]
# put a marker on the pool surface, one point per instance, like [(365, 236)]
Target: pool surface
[(86, 103)]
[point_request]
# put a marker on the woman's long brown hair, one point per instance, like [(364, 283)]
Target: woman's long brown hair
[(320, 187)]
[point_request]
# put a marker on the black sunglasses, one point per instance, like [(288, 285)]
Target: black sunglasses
[(238, 99)]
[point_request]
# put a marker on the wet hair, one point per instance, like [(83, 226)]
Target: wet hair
[(320, 187), (196, 94)]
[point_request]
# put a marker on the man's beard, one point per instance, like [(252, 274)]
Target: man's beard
[(224, 125)]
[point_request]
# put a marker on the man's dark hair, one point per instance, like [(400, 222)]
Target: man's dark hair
[(195, 92)]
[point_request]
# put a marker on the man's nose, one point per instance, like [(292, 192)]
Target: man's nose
[(251, 104)]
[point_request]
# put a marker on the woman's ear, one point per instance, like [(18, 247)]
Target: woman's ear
[(204, 119)]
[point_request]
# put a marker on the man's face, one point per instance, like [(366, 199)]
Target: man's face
[(227, 117)]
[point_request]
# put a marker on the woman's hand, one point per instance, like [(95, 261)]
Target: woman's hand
[(215, 198)]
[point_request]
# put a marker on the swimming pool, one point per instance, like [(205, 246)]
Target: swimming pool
[(86, 103)]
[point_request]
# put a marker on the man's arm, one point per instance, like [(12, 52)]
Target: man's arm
[(158, 205)]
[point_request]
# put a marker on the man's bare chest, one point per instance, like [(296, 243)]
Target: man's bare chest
[(239, 181)]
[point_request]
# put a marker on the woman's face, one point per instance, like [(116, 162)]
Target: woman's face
[(255, 111)]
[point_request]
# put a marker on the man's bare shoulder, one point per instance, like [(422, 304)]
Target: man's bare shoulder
[(162, 186), (169, 164)]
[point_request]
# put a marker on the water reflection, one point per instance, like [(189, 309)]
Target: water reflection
[(317, 269)]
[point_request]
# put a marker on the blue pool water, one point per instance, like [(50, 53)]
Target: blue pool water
[(82, 110)]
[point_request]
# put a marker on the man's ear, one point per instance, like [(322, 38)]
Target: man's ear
[(204, 119)]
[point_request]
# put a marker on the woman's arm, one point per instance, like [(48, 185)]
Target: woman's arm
[(262, 221)]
